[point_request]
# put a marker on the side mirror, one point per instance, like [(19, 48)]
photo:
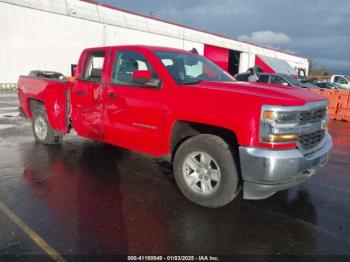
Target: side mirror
[(145, 78), (142, 77)]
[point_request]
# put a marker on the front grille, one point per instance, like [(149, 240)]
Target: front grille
[(312, 116), (311, 140)]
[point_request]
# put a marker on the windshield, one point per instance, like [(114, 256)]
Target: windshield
[(188, 68)]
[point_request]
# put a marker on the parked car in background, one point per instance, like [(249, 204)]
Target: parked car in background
[(326, 85), (281, 79), (244, 77), (340, 80), (278, 79), (251, 75), (309, 80)]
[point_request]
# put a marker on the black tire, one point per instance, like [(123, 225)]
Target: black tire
[(52, 136), (220, 151)]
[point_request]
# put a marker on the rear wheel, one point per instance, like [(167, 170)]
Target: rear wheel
[(205, 171), (43, 132)]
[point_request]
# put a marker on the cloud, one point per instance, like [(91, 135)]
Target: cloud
[(266, 37), (320, 29), (332, 63)]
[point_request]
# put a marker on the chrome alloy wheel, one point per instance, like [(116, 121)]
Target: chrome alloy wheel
[(40, 128), (202, 173)]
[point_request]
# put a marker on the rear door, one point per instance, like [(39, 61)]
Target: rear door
[(86, 94), (133, 114)]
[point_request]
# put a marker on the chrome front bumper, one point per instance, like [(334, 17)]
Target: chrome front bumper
[(267, 171)]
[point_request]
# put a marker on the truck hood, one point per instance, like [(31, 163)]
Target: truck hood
[(268, 93)]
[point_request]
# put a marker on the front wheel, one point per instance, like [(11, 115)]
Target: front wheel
[(205, 171), (43, 132)]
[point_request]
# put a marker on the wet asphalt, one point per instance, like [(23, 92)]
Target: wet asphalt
[(88, 198)]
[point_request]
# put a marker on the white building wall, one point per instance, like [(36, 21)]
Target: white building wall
[(49, 35), (123, 36), (32, 39)]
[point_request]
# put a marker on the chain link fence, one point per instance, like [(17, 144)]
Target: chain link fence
[(8, 87)]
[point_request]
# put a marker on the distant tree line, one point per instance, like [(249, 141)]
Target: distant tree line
[(318, 70)]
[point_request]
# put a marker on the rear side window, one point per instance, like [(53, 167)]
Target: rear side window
[(93, 64), (263, 78)]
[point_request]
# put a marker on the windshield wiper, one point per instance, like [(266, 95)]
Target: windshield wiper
[(190, 82)]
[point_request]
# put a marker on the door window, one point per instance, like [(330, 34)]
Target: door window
[(92, 66), (126, 63)]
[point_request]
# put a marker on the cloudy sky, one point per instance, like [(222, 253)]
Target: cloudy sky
[(319, 29)]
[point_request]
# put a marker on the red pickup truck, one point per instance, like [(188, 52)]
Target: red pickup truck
[(220, 134)]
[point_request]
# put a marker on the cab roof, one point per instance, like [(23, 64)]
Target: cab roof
[(142, 47)]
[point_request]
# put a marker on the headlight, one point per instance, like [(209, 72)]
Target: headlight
[(278, 125), (280, 116)]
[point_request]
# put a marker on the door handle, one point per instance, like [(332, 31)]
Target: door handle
[(80, 92), (112, 95)]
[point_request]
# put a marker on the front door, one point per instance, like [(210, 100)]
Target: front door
[(132, 115), (86, 96)]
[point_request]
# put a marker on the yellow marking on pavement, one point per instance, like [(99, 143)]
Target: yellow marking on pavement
[(32, 235)]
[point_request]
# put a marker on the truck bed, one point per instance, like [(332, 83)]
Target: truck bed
[(52, 93)]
